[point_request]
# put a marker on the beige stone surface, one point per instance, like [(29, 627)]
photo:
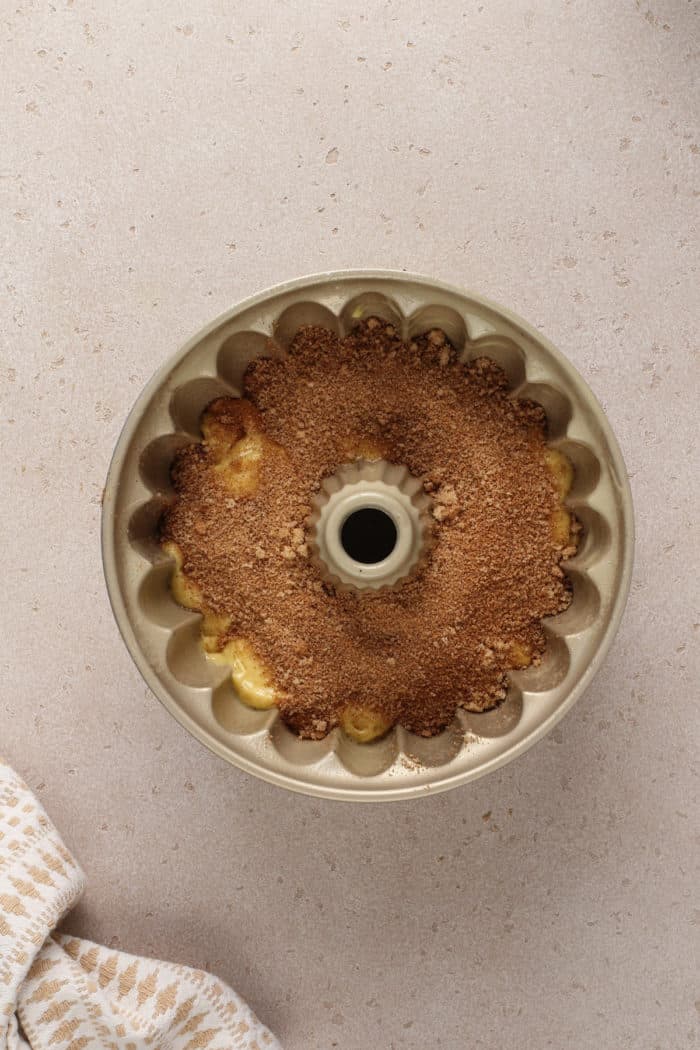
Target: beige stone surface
[(162, 161)]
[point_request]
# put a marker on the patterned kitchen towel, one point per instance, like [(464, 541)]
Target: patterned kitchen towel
[(61, 993)]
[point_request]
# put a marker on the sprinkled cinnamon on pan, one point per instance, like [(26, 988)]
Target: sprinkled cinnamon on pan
[(447, 636)]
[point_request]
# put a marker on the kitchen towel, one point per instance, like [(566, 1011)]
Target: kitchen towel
[(59, 992)]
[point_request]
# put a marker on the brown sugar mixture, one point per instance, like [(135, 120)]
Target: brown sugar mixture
[(448, 634)]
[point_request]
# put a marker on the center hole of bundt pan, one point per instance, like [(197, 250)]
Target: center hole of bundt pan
[(368, 535)]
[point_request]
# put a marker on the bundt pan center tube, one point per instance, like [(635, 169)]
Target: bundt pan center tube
[(369, 525), (369, 530)]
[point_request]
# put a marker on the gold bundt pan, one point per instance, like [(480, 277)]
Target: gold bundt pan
[(164, 639)]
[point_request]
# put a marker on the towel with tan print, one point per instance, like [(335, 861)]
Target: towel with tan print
[(61, 993)]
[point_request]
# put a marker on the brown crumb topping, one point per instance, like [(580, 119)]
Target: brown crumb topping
[(447, 636)]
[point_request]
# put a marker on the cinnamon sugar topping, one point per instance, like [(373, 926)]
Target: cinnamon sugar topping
[(473, 610)]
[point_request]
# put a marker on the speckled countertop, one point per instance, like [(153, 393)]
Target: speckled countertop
[(162, 161)]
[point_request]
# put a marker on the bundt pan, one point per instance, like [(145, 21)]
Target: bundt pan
[(163, 638)]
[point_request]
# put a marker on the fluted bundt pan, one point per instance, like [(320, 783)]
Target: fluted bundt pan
[(163, 638)]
